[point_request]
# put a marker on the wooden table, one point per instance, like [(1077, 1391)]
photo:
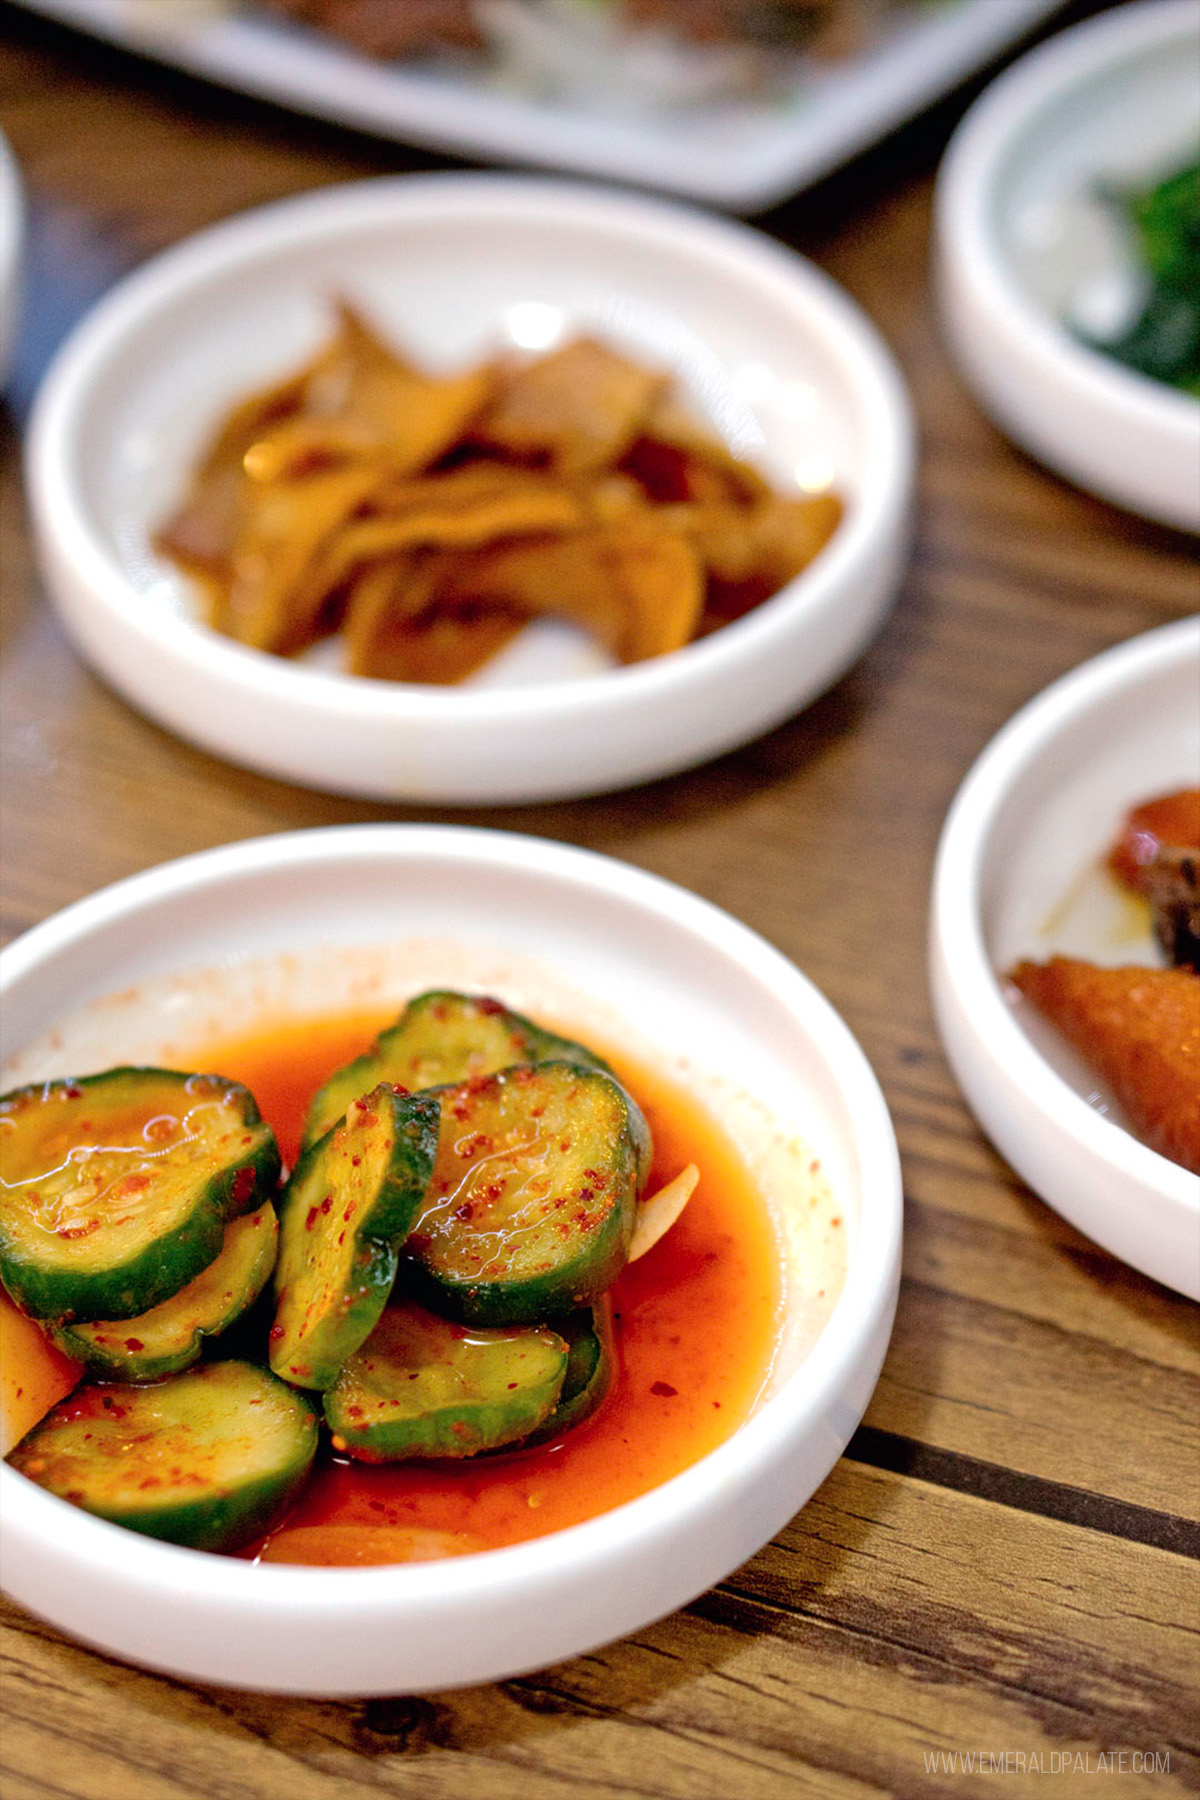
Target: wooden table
[(1004, 1561)]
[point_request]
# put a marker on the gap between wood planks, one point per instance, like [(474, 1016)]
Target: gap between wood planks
[(1025, 1493)]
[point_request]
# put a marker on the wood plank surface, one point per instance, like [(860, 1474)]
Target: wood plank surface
[(1005, 1563), (892, 1624)]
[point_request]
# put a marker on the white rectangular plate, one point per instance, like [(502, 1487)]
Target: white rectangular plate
[(740, 156)]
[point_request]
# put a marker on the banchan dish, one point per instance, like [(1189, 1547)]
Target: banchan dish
[(1026, 246), (1020, 851), (318, 920), (452, 268)]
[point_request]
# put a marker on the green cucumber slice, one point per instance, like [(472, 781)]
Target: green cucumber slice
[(210, 1458), (350, 1203), (442, 1037), (531, 1206), (170, 1337), (587, 1334), (115, 1189), (422, 1387)]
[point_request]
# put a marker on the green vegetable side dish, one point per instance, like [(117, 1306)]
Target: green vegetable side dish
[(439, 1266), (350, 1203), (531, 1208), (424, 1387), (210, 1458), (170, 1337), (115, 1189), (1163, 342), (443, 1036)]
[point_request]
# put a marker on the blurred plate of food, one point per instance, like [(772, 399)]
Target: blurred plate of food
[(1068, 258), (472, 488), (734, 102), (1065, 944)]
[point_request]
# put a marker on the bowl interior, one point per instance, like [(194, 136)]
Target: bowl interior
[(366, 917), (361, 913), (452, 273), (1117, 123), (1042, 886)]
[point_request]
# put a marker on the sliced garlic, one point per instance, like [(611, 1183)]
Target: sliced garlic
[(656, 1215)]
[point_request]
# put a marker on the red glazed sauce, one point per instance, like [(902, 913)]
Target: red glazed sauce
[(695, 1323), (1168, 821)]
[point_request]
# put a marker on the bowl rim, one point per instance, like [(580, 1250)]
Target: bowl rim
[(13, 232), (876, 508), (965, 196), (958, 952), (12, 210), (808, 1398)]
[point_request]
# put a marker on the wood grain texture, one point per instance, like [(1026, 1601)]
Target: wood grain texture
[(892, 1623), (997, 1566)]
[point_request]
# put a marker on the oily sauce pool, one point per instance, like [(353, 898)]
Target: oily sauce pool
[(695, 1323)]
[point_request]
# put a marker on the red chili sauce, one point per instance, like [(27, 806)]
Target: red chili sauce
[(695, 1326)]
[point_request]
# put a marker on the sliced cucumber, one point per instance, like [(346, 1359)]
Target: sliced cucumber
[(587, 1334), (531, 1207), (443, 1037), (211, 1458), (351, 1201), (422, 1387), (115, 1189), (171, 1335)]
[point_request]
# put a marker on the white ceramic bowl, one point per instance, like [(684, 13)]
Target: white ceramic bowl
[(1017, 875), (1023, 246), (301, 922), (456, 266), (12, 244)]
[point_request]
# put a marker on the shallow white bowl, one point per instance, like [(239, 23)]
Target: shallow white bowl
[(1023, 244), (454, 267), (308, 921), (1017, 875)]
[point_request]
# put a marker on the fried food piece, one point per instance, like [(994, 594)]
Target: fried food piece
[(201, 533), (1172, 883), (395, 631), (360, 399), (1140, 1030), (465, 508), (1169, 821), (1158, 854), (391, 27), (750, 553), (635, 584), (278, 540), (575, 410), (293, 465), (676, 460), (431, 517)]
